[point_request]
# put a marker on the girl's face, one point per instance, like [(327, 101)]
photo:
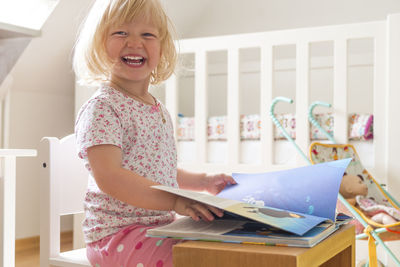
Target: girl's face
[(134, 48)]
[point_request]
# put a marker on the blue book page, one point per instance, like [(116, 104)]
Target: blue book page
[(254, 229), (293, 222), (311, 190)]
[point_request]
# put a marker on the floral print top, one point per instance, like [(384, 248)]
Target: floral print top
[(148, 148)]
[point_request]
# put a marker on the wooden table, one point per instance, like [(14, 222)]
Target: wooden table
[(336, 250)]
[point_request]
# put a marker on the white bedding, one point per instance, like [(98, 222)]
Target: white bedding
[(250, 152)]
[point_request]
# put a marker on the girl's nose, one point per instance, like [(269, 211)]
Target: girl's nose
[(134, 42)]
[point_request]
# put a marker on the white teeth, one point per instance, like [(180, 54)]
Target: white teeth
[(134, 63), (134, 58)]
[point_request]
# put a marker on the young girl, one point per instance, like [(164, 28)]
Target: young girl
[(125, 136)]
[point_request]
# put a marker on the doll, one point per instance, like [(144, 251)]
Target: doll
[(379, 213), (352, 186), (355, 191)]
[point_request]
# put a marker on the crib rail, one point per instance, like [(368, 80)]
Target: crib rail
[(302, 39)]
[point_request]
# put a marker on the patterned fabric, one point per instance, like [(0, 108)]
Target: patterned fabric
[(250, 126), (288, 122), (185, 128), (370, 207), (361, 126), (326, 122), (148, 148), (324, 153), (216, 128), (131, 248)]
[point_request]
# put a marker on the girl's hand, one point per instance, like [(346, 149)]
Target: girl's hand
[(214, 183), (196, 210)]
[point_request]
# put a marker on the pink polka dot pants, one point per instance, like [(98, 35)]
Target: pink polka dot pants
[(131, 248)]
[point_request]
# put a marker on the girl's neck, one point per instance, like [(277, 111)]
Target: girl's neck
[(140, 88), (136, 91)]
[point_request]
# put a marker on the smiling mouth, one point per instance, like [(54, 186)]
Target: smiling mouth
[(134, 60)]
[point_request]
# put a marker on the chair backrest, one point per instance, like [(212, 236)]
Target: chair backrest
[(63, 184)]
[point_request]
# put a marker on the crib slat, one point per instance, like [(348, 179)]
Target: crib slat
[(340, 97), (233, 133), (380, 114), (266, 95), (393, 129), (302, 97), (284, 37), (201, 106), (171, 99)]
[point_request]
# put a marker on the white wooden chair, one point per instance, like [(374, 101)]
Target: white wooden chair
[(63, 185)]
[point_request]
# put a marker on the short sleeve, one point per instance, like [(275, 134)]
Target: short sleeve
[(98, 123)]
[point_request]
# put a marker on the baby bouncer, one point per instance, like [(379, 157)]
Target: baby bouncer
[(377, 201)]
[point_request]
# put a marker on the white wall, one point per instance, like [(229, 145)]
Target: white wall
[(10, 49), (42, 103), (238, 16)]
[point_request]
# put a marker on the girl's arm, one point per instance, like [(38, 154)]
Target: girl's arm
[(212, 183), (129, 187)]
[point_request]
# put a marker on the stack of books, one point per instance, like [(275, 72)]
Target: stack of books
[(295, 207)]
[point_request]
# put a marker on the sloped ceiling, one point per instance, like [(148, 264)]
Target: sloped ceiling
[(184, 14), (24, 18), (199, 18), (14, 31)]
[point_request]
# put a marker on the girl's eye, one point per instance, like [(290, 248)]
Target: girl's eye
[(122, 33), (148, 34)]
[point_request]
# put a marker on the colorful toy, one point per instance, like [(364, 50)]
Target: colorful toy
[(368, 225), (379, 213)]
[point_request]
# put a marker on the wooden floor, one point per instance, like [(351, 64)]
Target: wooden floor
[(30, 257)]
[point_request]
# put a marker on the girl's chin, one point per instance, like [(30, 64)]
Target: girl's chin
[(133, 78)]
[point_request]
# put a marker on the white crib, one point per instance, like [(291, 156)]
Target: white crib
[(385, 39)]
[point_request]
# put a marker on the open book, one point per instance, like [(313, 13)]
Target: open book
[(293, 207)]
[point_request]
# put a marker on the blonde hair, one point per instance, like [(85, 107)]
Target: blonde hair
[(91, 63)]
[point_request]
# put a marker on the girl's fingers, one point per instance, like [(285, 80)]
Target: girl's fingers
[(216, 211), (197, 211), (209, 211), (192, 214), (230, 179), (203, 212)]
